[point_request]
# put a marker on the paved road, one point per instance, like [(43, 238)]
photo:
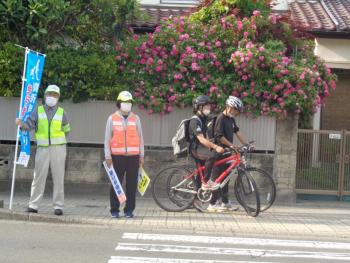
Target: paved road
[(43, 242)]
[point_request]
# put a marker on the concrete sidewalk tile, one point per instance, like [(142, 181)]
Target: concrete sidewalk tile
[(311, 219)]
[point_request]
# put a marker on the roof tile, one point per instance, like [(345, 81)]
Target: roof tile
[(322, 15)]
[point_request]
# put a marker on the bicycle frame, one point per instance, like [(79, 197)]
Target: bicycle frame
[(234, 159)]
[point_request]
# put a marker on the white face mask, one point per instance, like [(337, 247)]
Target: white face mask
[(206, 112), (125, 106), (51, 101)]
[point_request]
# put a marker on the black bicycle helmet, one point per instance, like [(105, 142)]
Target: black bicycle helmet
[(201, 100)]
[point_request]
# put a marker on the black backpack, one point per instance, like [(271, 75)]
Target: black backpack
[(211, 127)]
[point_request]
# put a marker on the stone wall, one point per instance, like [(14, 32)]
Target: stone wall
[(284, 168), (84, 165)]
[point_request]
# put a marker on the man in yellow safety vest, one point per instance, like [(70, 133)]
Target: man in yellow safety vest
[(51, 127)]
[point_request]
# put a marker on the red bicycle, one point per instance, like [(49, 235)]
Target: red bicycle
[(175, 188)]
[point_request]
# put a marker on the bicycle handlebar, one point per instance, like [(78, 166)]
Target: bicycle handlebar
[(242, 149)]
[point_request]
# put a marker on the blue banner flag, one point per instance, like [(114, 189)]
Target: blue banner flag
[(33, 72)]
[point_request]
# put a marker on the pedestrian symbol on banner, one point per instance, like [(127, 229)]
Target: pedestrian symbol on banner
[(115, 183)]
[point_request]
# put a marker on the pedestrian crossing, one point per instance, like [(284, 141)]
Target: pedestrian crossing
[(142, 247)]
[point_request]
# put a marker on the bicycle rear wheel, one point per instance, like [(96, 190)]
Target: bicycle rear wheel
[(266, 187), (247, 194), (173, 190)]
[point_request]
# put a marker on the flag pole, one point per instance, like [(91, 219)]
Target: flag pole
[(17, 134)]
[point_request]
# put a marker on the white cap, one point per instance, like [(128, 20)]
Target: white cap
[(53, 88)]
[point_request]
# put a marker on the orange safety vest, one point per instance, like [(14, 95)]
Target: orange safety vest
[(125, 140)]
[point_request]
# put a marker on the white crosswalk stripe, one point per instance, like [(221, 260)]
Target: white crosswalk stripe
[(118, 259), (237, 241), (220, 249)]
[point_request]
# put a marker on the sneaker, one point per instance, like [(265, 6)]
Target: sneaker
[(115, 214), (31, 210), (129, 215), (212, 208), (210, 185), (228, 207), (58, 212)]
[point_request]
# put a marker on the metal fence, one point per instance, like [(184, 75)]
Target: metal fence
[(88, 122), (323, 162)]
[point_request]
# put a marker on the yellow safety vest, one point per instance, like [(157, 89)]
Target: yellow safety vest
[(51, 133)]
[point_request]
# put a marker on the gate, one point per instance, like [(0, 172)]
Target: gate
[(323, 163)]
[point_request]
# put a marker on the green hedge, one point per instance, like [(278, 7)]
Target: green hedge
[(81, 73)]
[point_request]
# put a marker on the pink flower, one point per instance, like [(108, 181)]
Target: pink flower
[(184, 37), (201, 56), (118, 58), (244, 77), (172, 98), (169, 109), (273, 19), (245, 34), (135, 37), (244, 94), (239, 25), (189, 50), (159, 68), (256, 12), (195, 66), (178, 76), (333, 84), (213, 88), (218, 43), (261, 49), (261, 58), (150, 61), (249, 45), (157, 29)]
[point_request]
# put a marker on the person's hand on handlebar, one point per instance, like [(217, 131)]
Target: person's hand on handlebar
[(219, 149)]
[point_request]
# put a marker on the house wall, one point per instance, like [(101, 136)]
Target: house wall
[(336, 111), (336, 52)]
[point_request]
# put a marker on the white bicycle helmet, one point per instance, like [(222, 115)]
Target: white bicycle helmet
[(234, 102)]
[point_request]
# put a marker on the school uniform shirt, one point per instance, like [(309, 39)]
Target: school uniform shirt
[(225, 126), (196, 127)]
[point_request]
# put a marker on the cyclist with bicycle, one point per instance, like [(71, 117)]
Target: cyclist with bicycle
[(201, 148), (224, 130)]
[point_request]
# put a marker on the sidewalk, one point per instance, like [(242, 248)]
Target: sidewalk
[(329, 220)]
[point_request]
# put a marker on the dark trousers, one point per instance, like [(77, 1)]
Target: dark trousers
[(223, 192), (204, 155), (128, 165)]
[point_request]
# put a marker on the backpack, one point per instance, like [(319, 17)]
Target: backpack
[(181, 139), (211, 128)]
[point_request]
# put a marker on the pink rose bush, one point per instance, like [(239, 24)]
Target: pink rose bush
[(248, 57)]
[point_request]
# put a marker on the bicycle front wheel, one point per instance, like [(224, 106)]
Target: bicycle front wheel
[(173, 189), (266, 187), (247, 194)]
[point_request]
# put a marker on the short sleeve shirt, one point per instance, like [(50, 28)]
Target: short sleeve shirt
[(225, 127), (196, 127)]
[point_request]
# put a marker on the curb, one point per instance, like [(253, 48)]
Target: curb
[(142, 224)]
